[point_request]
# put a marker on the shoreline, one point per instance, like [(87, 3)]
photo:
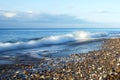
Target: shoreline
[(99, 65)]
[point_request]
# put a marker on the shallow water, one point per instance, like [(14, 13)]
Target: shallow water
[(55, 42)]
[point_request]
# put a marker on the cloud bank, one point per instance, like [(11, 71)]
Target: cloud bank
[(9, 14), (102, 11), (30, 19)]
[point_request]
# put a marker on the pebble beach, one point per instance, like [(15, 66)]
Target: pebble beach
[(102, 64)]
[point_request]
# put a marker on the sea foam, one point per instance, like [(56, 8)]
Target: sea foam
[(80, 36)]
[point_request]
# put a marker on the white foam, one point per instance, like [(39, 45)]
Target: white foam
[(32, 54), (79, 36), (82, 36)]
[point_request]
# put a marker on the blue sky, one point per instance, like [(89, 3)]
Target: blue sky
[(60, 13)]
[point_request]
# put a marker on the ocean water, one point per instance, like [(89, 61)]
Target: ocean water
[(50, 42)]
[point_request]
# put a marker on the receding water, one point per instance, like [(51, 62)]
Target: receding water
[(51, 42)]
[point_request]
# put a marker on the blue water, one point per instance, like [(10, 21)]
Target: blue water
[(15, 34), (51, 42)]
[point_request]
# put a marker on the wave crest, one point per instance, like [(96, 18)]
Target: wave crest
[(80, 36)]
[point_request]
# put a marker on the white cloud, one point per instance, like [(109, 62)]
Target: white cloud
[(102, 11), (30, 12), (9, 14)]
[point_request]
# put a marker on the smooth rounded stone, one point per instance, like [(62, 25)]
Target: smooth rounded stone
[(119, 59), (42, 77), (100, 78), (17, 72), (117, 69), (118, 64), (99, 68)]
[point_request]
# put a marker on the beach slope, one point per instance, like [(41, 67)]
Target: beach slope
[(95, 65)]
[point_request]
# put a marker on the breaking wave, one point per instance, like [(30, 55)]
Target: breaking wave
[(80, 36)]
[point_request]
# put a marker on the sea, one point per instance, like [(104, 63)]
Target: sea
[(38, 43)]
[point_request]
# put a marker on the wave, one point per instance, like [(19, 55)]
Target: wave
[(79, 36)]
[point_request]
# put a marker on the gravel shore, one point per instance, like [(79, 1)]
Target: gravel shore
[(95, 65)]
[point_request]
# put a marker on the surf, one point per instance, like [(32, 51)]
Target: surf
[(77, 36)]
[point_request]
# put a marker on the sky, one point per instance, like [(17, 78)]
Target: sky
[(59, 13)]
